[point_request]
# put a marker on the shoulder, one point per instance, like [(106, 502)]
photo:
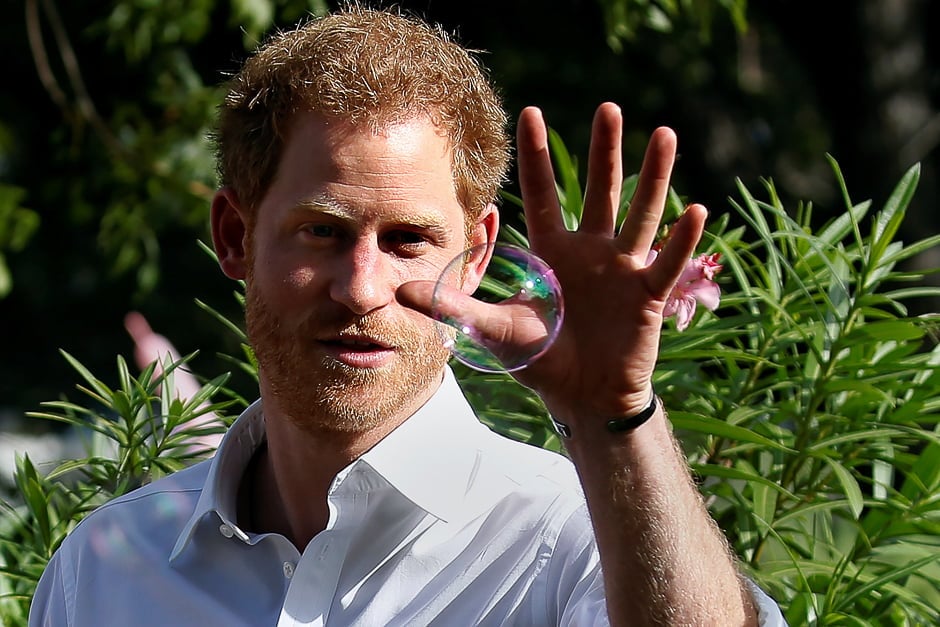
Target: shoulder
[(153, 513), (528, 464), (187, 483), (532, 482)]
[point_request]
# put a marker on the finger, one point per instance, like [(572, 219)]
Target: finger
[(488, 323), (672, 260), (642, 221), (512, 330), (149, 347), (417, 295), (605, 171), (536, 177), (137, 326)]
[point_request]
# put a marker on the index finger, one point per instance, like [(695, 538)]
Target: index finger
[(536, 177)]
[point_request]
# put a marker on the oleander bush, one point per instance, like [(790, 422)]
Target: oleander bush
[(133, 433), (807, 404)]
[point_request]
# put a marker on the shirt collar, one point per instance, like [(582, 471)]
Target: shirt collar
[(220, 492), (434, 459)]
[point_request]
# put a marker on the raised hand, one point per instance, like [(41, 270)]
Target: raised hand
[(601, 364), (664, 561)]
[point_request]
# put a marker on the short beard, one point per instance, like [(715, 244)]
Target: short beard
[(319, 394)]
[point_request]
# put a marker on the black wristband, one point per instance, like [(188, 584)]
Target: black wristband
[(616, 425), (619, 425)]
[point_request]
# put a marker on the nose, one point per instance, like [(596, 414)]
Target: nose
[(363, 279)]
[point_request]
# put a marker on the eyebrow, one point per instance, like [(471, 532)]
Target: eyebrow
[(420, 219), (324, 205)]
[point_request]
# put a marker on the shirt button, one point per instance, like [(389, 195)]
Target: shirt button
[(288, 570), (226, 531)]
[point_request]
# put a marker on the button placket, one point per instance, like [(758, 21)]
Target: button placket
[(316, 575)]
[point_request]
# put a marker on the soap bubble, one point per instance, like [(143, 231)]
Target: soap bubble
[(519, 288)]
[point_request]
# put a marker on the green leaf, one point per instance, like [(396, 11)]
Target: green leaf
[(100, 388), (911, 250), (849, 485), (712, 426), (255, 17), (765, 505), (891, 576), (566, 171), (724, 472), (836, 230), (887, 330), (6, 279), (889, 219)]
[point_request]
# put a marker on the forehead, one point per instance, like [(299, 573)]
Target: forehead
[(400, 166), (334, 141)]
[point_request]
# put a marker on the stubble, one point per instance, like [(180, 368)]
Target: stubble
[(319, 393)]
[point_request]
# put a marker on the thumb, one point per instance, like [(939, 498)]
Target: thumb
[(486, 323), (512, 331), (417, 295)]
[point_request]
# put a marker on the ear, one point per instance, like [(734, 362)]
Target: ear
[(230, 233), (483, 234)]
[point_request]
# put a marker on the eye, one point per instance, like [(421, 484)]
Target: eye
[(407, 237), (406, 241), (322, 230)]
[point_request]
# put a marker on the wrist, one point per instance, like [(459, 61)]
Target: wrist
[(615, 425)]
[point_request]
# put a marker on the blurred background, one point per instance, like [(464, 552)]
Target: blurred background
[(106, 169)]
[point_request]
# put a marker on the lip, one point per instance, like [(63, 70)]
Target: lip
[(358, 351)]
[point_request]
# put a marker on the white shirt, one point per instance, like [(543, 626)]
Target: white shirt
[(441, 523)]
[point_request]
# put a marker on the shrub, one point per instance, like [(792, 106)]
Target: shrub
[(807, 405), (134, 434)]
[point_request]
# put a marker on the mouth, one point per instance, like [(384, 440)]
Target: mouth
[(359, 351), (357, 342)]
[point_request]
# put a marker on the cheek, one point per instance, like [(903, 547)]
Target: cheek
[(282, 285), (432, 267), (298, 279), (298, 290)]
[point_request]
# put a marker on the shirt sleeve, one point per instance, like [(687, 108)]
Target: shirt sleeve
[(48, 607), (768, 612)]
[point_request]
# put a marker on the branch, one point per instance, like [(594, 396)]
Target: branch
[(41, 59), (85, 104)]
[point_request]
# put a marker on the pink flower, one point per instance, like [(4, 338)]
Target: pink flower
[(695, 285)]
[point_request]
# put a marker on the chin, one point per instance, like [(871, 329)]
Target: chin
[(335, 397)]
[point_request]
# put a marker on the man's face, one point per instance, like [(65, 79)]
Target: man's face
[(350, 216)]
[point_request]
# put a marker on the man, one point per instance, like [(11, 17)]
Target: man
[(359, 154)]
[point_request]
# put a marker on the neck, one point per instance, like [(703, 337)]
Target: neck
[(285, 487)]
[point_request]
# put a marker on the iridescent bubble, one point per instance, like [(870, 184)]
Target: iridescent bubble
[(516, 313)]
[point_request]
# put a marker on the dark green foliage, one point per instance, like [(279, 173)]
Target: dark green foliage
[(17, 225), (807, 405), (624, 18), (134, 433)]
